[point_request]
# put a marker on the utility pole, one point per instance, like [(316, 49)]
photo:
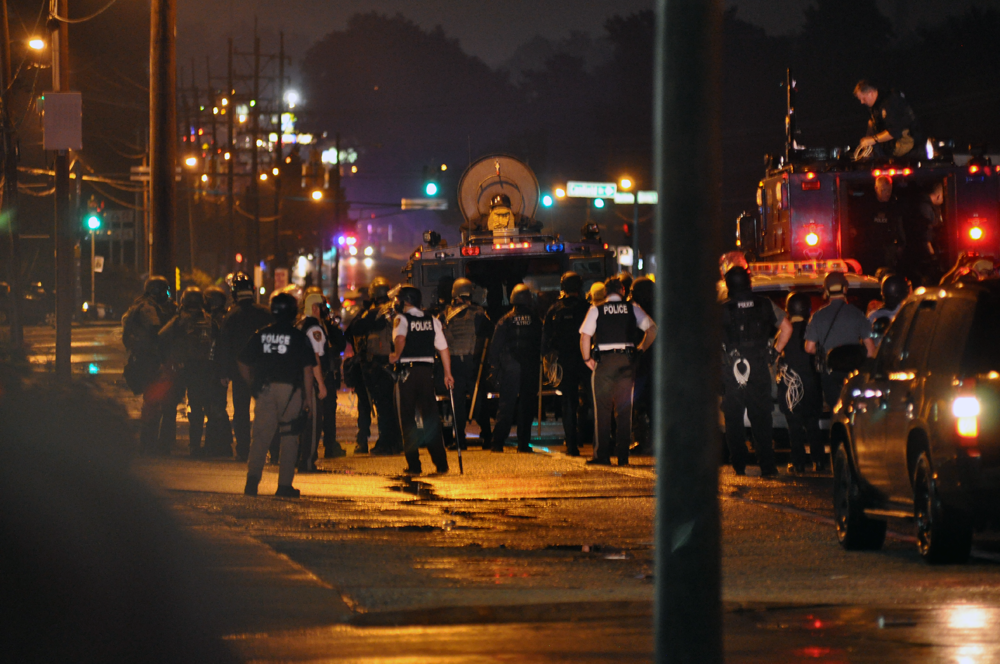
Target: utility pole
[(62, 232), (196, 137), (254, 151), (10, 186), (635, 232), (230, 151), (688, 606), (279, 259), (162, 137)]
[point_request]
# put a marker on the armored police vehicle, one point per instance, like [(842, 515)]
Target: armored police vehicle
[(502, 243)]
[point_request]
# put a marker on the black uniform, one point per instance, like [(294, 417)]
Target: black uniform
[(749, 324), (800, 398), (514, 356), (416, 391), (243, 319), (354, 377), (142, 325), (613, 348), (218, 430), (561, 335), (187, 342), (376, 326), (879, 241), (336, 343), (892, 113), (465, 325)]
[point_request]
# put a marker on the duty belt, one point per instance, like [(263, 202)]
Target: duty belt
[(415, 361)]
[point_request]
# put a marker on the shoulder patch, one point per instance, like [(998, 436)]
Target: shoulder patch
[(317, 335)]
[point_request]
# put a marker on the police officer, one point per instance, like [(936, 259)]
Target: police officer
[(515, 356), (642, 396), (893, 130), (608, 343), (187, 342), (560, 331), (354, 354), (800, 396), (465, 327), (140, 334), (417, 337), (749, 324), (243, 319), (218, 430), (895, 289), (312, 326), (375, 325), (279, 362), (336, 343)]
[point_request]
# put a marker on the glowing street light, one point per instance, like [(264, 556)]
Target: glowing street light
[(317, 195), (292, 98), (36, 44), (191, 161), (560, 192), (626, 183)]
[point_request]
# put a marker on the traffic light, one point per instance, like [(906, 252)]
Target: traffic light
[(627, 229), (547, 200), (431, 182), (93, 222), (93, 218)]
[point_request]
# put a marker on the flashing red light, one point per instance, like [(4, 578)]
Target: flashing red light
[(470, 251), (810, 176), (892, 171), (976, 233), (605, 245), (876, 172), (907, 171), (239, 258), (973, 169), (812, 239)]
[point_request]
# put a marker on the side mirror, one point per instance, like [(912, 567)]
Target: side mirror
[(850, 357)]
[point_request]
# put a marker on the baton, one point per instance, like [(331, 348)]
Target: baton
[(454, 426)]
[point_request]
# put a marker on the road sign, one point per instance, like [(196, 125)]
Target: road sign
[(591, 189), (62, 121), (624, 198), (98, 263), (425, 204), (648, 198)]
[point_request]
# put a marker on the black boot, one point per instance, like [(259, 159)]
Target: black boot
[(287, 491), (251, 488)]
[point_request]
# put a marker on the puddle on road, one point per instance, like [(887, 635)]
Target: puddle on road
[(497, 571)]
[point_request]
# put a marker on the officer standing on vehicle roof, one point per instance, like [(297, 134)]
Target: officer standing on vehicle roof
[(218, 430), (514, 357), (560, 334), (417, 336), (187, 343), (608, 339), (893, 130), (375, 325), (465, 328), (800, 396), (243, 319), (280, 364), (837, 324), (748, 324)]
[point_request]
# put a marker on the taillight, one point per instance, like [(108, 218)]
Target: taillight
[(973, 169), (812, 239), (966, 411), (470, 251), (976, 233), (811, 185)]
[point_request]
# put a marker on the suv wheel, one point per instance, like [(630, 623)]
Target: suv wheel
[(944, 535), (855, 531)]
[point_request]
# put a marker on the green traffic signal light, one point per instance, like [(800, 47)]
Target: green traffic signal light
[(431, 188), (93, 222)]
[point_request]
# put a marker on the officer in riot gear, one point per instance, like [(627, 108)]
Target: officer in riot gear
[(354, 354), (375, 326), (800, 397), (515, 356), (895, 289), (642, 396), (141, 326), (610, 336), (749, 325), (243, 319), (560, 333), (893, 129), (187, 343), (280, 365), (417, 338), (336, 343), (218, 429), (465, 328)]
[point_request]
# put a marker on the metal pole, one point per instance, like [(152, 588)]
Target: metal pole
[(196, 138), (230, 110), (162, 134), (635, 235), (688, 610), (65, 288), (255, 150), (279, 154), (10, 187), (93, 271)]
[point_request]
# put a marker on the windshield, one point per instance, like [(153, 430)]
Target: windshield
[(982, 352)]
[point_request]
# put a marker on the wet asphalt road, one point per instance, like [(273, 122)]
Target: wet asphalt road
[(540, 558)]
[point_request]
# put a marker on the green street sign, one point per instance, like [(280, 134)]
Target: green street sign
[(591, 189)]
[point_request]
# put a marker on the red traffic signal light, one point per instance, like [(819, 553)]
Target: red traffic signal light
[(627, 229)]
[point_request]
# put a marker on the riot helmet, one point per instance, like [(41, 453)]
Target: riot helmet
[(192, 299), (642, 293), (378, 290), (738, 280), (521, 295), (835, 284), (242, 287), (158, 288), (462, 288), (215, 298), (284, 307), (626, 281), (410, 295), (311, 299), (571, 283), (894, 290), (500, 200), (798, 305)]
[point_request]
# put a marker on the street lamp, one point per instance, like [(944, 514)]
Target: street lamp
[(317, 195), (626, 183), (36, 44), (191, 161)]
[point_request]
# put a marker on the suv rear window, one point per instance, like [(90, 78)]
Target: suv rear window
[(949, 335), (982, 352)]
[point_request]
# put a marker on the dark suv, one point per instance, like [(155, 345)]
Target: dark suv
[(916, 433)]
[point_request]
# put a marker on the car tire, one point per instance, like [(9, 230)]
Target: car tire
[(944, 534), (855, 531)]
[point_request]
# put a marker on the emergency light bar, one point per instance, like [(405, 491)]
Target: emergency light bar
[(512, 245), (804, 267)]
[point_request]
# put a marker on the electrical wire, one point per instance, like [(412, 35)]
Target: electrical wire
[(64, 19)]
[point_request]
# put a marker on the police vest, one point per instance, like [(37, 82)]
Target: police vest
[(419, 345), (378, 342), (461, 324), (616, 326), (524, 334), (750, 323), (195, 343), (565, 317)]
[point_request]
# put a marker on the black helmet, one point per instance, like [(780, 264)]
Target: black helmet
[(410, 295), (798, 304), (242, 287), (462, 288), (737, 280), (192, 299), (642, 293), (626, 280), (894, 290), (379, 289), (571, 283), (835, 283), (500, 200), (284, 307), (521, 295), (158, 288), (215, 298)]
